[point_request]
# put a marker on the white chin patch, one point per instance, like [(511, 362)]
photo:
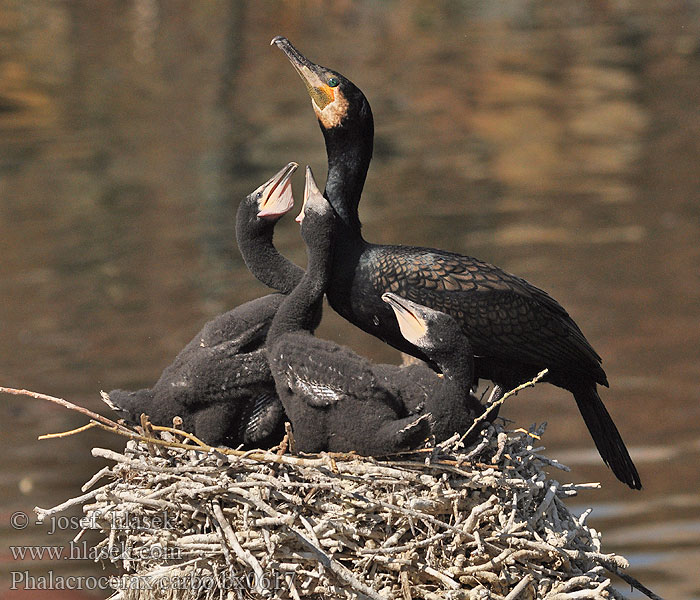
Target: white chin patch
[(332, 115)]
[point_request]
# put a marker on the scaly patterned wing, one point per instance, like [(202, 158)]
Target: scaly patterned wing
[(504, 316), (321, 372)]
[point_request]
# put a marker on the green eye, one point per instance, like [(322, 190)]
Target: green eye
[(333, 82)]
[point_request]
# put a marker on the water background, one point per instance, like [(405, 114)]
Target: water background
[(558, 140)]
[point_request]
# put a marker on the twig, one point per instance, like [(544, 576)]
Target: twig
[(484, 416), (518, 589), (95, 478), (242, 554), (48, 436), (176, 431), (42, 513), (148, 433), (66, 404), (636, 584)]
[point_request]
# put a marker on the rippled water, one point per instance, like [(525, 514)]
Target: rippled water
[(559, 141)]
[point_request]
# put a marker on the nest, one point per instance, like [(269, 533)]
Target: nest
[(182, 520), (445, 523)]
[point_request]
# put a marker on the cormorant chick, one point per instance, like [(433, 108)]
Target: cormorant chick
[(220, 383), (446, 397), (515, 328), (338, 401)]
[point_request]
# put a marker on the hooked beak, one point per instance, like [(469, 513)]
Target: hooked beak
[(411, 324), (277, 199), (321, 94), (310, 190)]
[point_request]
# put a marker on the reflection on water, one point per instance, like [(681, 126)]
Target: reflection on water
[(558, 141)]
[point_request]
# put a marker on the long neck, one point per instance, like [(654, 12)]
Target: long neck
[(458, 370), (349, 154), (254, 237), (457, 367), (295, 313)]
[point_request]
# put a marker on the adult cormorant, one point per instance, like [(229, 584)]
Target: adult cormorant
[(515, 328), (220, 383), (339, 401)]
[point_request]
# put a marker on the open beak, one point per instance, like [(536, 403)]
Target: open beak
[(310, 73), (310, 190), (411, 324), (277, 198)]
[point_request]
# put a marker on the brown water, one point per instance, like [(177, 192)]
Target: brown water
[(557, 140)]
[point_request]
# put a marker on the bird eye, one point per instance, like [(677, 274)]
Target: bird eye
[(333, 82)]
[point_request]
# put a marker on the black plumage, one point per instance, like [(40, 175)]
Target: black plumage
[(515, 328), (446, 397), (220, 384), (339, 401)]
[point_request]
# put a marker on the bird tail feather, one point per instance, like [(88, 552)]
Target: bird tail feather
[(128, 405), (106, 399), (606, 436)]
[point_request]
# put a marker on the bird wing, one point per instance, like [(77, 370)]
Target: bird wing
[(262, 418), (320, 371), (503, 315), (243, 324), (316, 393)]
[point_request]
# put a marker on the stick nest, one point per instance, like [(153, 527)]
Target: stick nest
[(447, 522)]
